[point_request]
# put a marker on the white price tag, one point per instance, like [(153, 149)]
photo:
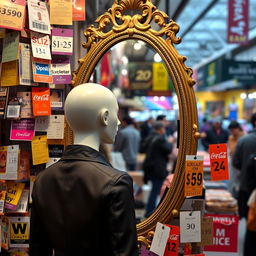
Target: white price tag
[(62, 41), (56, 127), (38, 17), (40, 46), (42, 124), (13, 111), (160, 239), (52, 160), (190, 227)]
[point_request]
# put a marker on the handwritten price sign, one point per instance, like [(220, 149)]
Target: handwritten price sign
[(219, 161)]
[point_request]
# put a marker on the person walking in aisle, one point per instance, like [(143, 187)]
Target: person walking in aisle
[(128, 142), (155, 163), (246, 146)]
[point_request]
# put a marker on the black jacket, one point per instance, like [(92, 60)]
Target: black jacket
[(157, 152), (83, 207)]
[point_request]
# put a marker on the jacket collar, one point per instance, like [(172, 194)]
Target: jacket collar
[(83, 153)]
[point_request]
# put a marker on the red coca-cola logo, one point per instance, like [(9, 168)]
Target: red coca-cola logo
[(220, 155), (44, 97)]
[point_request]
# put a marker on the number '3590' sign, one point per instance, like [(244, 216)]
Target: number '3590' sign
[(12, 14)]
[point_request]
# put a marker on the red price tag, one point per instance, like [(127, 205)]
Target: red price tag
[(172, 246), (219, 161)]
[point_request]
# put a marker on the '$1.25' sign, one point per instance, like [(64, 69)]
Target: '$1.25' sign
[(219, 161)]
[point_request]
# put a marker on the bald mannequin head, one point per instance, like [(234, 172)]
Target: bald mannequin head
[(91, 110)]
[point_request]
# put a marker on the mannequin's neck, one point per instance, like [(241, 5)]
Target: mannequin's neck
[(87, 139)]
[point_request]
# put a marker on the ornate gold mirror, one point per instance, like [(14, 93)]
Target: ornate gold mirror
[(155, 29)]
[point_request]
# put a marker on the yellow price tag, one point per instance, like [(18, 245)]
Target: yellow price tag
[(61, 12), (40, 153), (194, 176), (19, 231), (14, 191), (12, 14), (10, 76), (160, 77)]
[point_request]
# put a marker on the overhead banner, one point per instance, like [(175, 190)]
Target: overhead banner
[(238, 19)]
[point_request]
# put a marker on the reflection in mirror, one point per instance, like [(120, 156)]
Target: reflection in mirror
[(146, 148)]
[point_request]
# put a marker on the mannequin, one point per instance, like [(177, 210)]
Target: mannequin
[(81, 204)]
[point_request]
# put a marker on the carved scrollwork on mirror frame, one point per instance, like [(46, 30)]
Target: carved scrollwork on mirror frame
[(156, 29)]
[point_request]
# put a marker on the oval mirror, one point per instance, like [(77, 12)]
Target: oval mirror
[(138, 77), (154, 28)]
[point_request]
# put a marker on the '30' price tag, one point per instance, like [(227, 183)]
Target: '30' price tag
[(194, 175), (219, 161)]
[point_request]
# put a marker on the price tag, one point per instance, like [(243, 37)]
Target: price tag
[(23, 129), (62, 41), (10, 74), (3, 191), (61, 12), (78, 10), (11, 46), (38, 17), (13, 108), (160, 239), (19, 232), (12, 14), (190, 227), (41, 101), (26, 104), (219, 161), (172, 247), (194, 176), (40, 153), (42, 71), (55, 129), (52, 161), (14, 192), (42, 123), (206, 231), (40, 46), (25, 64), (61, 71)]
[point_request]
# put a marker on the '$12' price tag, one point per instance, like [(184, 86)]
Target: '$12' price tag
[(219, 161), (194, 176), (172, 246)]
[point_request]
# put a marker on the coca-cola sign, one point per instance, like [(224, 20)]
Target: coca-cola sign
[(44, 97), (220, 155)]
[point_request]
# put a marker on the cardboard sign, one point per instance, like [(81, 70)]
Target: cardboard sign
[(3, 191), (160, 239), (24, 166), (13, 107), (172, 246), (23, 129), (42, 71), (62, 41), (40, 46), (194, 174), (41, 101), (12, 14), (40, 153), (55, 128), (19, 232), (4, 92), (57, 99), (219, 162), (225, 232), (39, 17), (206, 231), (25, 64), (190, 227), (10, 74), (78, 10), (11, 47), (14, 191), (61, 12)]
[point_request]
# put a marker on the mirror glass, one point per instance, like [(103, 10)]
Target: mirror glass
[(138, 77)]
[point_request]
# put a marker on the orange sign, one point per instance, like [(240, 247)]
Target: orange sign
[(194, 176), (41, 101), (12, 14), (219, 161), (78, 10)]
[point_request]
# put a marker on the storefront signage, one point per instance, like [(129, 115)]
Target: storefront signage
[(225, 231), (243, 71), (238, 20)]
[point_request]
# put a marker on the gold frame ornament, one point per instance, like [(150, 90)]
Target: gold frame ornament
[(115, 26)]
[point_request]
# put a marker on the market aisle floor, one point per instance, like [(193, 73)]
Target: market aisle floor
[(241, 234)]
